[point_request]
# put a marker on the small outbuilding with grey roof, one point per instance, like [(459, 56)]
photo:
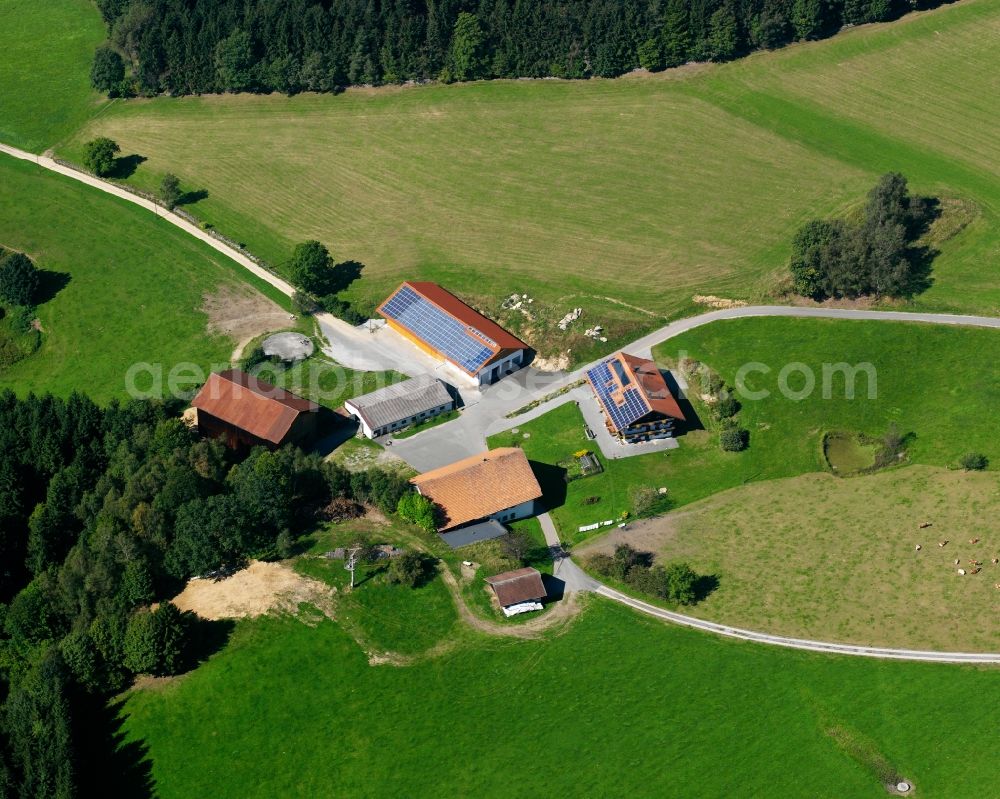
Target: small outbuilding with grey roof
[(400, 405)]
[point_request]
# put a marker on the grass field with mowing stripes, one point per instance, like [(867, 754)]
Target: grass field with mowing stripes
[(624, 197)]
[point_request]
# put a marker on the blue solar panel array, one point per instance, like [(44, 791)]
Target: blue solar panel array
[(443, 332), (631, 410)]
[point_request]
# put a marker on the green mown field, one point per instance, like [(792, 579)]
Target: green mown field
[(45, 91), (616, 705), (644, 190), (128, 288), (925, 382)]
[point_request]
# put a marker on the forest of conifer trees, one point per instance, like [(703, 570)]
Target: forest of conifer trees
[(202, 46)]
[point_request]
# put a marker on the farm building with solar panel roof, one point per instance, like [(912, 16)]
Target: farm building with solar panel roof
[(445, 327), (635, 398)]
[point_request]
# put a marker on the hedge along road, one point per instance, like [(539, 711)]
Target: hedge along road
[(641, 346)]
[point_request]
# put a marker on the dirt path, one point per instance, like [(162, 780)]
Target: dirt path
[(565, 609), (239, 312)]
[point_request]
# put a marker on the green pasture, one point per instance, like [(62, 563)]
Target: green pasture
[(615, 705), (820, 557), (924, 382), (124, 287), (45, 91)]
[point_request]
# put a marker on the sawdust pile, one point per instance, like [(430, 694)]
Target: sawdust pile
[(258, 589)]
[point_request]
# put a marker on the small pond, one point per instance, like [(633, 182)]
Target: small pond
[(845, 454)]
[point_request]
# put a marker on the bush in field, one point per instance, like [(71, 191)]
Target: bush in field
[(734, 439), (342, 309), (600, 563), (627, 558), (712, 382), (411, 569), (673, 583), (974, 462), (647, 501), (892, 447), (303, 304), (100, 155), (726, 407)]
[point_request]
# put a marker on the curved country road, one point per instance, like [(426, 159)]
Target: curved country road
[(575, 578)]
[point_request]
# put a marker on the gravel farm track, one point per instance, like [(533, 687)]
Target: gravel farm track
[(565, 568)]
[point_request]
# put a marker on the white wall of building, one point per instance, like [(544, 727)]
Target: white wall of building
[(522, 511), (511, 363), (399, 424)]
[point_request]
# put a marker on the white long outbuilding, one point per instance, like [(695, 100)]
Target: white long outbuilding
[(400, 405)]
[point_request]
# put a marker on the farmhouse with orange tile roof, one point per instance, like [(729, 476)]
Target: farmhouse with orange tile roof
[(498, 484)]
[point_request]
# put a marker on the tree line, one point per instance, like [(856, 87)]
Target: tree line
[(204, 46), (676, 583), (104, 514)]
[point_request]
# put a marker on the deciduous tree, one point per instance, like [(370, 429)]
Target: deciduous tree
[(234, 62), (100, 155), (170, 190), (108, 71), (466, 48), (311, 268)]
